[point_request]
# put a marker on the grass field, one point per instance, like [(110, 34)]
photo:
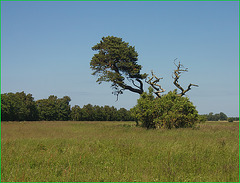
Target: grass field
[(118, 151)]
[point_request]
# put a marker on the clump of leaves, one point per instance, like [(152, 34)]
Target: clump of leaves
[(115, 62), (169, 111)]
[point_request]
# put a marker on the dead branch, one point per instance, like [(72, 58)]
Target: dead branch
[(180, 69), (156, 86)]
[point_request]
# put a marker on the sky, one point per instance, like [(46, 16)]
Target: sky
[(46, 48)]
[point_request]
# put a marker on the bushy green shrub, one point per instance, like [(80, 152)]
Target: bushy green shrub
[(169, 111), (230, 119)]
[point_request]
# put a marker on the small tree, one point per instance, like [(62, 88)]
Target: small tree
[(230, 119), (223, 116)]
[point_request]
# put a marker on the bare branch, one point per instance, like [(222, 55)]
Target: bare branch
[(154, 84), (180, 69), (189, 88)]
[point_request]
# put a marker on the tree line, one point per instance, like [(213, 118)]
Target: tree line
[(219, 117), (22, 107)]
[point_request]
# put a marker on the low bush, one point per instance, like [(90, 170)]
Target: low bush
[(169, 111)]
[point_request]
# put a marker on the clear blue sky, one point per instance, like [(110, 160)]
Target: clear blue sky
[(46, 48)]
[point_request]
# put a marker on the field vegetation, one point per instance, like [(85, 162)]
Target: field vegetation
[(118, 151)]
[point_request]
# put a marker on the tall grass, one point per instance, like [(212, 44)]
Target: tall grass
[(118, 151)]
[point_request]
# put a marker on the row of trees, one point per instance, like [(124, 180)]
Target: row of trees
[(216, 117), (18, 107), (99, 113), (219, 117), (234, 118), (22, 107)]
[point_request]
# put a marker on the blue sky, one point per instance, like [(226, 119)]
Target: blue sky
[(46, 48)]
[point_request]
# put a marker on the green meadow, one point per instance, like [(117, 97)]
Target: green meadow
[(118, 151)]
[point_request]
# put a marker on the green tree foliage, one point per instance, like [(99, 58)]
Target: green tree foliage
[(231, 119), (64, 109), (216, 117), (47, 108), (110, 113), (96, 113), (124, 115), (235, 118), (76, 113), (99, 113), (88, 113), (18, 107), (22, 107), (52, 109), (222, 116), (171, 110), (115, 62)]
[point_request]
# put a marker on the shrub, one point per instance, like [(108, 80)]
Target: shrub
[(169, 111), (230, 119)]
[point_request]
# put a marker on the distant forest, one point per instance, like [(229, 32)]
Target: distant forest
[(22, 107), (218, 117)]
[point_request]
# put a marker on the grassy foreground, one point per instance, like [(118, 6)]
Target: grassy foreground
[(118, 151)]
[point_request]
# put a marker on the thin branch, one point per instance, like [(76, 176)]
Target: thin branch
[(118, 91), (154, 84), (138, 90), (135, 84), (141, 84), (180, 69)]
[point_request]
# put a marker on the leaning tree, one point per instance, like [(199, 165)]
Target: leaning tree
[(116, 62)]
